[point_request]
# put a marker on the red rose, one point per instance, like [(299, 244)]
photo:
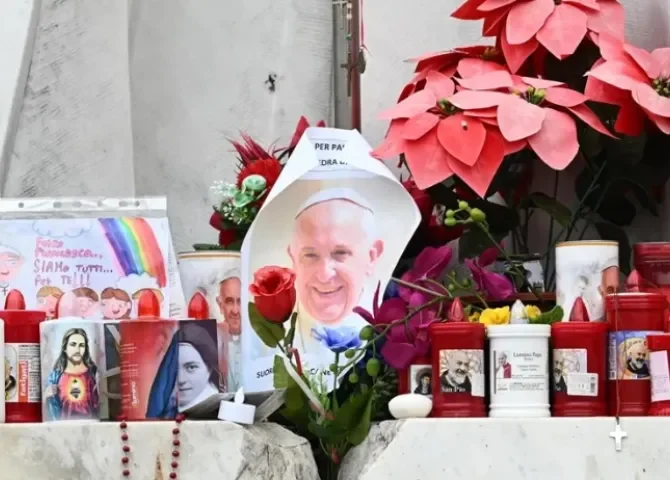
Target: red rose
[(274, 293)]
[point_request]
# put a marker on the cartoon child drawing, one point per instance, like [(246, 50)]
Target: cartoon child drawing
[(87, 301), (11, 262), (115, 303), (47, 299), (72, 388)]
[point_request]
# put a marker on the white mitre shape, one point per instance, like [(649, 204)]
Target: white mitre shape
[(347, 194), (518, 315)]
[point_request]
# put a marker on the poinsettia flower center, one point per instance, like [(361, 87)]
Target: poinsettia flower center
[(662, 86), (447, 108), (557, 2), (533, 95), (490, 53)]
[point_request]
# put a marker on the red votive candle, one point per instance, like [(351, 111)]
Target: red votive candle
[(23, 393), (631, 317), (652, 262), (198, 307), (659, 366), (457, 354), (579, 365)]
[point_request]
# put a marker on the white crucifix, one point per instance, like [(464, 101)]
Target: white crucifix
[(618, 435)]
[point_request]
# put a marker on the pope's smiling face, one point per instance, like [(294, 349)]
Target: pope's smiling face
[(334, 251)]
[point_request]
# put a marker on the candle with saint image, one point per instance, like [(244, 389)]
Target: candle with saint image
[(22, 360)]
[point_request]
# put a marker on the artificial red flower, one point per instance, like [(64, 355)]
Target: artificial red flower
[(250, 151), (303, 124), (268, 168), (634, 79), (227, 236), (274, 293), (521, 26)]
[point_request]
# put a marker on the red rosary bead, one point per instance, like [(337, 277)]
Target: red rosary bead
[(125, 460), (126, 473), (123, 425), (175, 431), (175, 453), (180, 418), (176, 442), (126, 448), (173, 475), (174, 464), (124, 437)]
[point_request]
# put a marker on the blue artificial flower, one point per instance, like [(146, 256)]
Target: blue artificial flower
[(391, 290), (338, 340)]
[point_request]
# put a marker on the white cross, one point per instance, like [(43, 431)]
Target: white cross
[(618, 435)]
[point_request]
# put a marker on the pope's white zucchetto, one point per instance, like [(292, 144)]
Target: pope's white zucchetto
[(347, 194)]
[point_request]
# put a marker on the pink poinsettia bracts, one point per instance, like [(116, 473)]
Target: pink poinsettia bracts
[(522, 26), (468, 131), (636, 80)]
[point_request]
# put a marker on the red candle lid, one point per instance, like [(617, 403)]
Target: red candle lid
[(456, 311), (635, 300), (579, 312), (456, 321), (650, 251), (15, 310), (198, 307), (15, 301), (148, 305)]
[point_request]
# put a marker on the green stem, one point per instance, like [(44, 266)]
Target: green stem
[(551, 231), (416, 287), (335, 376), (509, 260), (460, 286)]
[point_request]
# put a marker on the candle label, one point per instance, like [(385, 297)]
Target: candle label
[(22, 373), (420, 380), (462, 371), (582, 384), (628, 355), (567, 361), (520, 371), (660, 376)]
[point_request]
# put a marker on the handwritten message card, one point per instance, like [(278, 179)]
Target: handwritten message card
[(98, 267)]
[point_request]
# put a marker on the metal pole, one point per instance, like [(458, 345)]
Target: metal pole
[(356, 64), (340, 81)]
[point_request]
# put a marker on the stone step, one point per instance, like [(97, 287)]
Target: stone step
[(211, 450), (512, 449)]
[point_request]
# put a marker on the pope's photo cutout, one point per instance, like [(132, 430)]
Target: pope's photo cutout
[(334, 226)]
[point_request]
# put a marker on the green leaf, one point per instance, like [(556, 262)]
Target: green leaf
[(607, 231), (360, 431), (270, 333), (328, 432), (281, 377), (546, 318), (559, 212), (474, 241), (353, 410)]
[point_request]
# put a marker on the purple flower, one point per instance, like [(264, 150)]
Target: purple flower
[(428, 265), (406, 340), (338, 340), (495, 285)]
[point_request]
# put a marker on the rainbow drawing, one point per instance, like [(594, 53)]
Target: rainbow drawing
[(135, 247)]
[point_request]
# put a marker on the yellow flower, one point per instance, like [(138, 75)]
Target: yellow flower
[(532, 311), (474, 317), (495, 316)]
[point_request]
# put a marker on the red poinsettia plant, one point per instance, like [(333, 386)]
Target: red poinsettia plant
[(543, 90), (236, 204)]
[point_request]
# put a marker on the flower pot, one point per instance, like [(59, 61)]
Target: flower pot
[(519, 370)]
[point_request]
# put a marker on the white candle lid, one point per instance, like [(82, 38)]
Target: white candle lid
[(237, 411)]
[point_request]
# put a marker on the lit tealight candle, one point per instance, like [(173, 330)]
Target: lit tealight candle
[(237, 411)]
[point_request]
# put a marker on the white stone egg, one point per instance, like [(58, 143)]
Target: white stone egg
[(410, 405)]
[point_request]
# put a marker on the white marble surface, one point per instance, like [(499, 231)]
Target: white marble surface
[(511, 449), (209, 450)]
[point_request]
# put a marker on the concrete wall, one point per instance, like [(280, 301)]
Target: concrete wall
[(139, 97)]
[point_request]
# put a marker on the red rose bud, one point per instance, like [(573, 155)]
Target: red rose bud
[(633, 282), (198, 307), (579, 312), (274, 293), (15, 301), (456, 311), (148, 305)]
